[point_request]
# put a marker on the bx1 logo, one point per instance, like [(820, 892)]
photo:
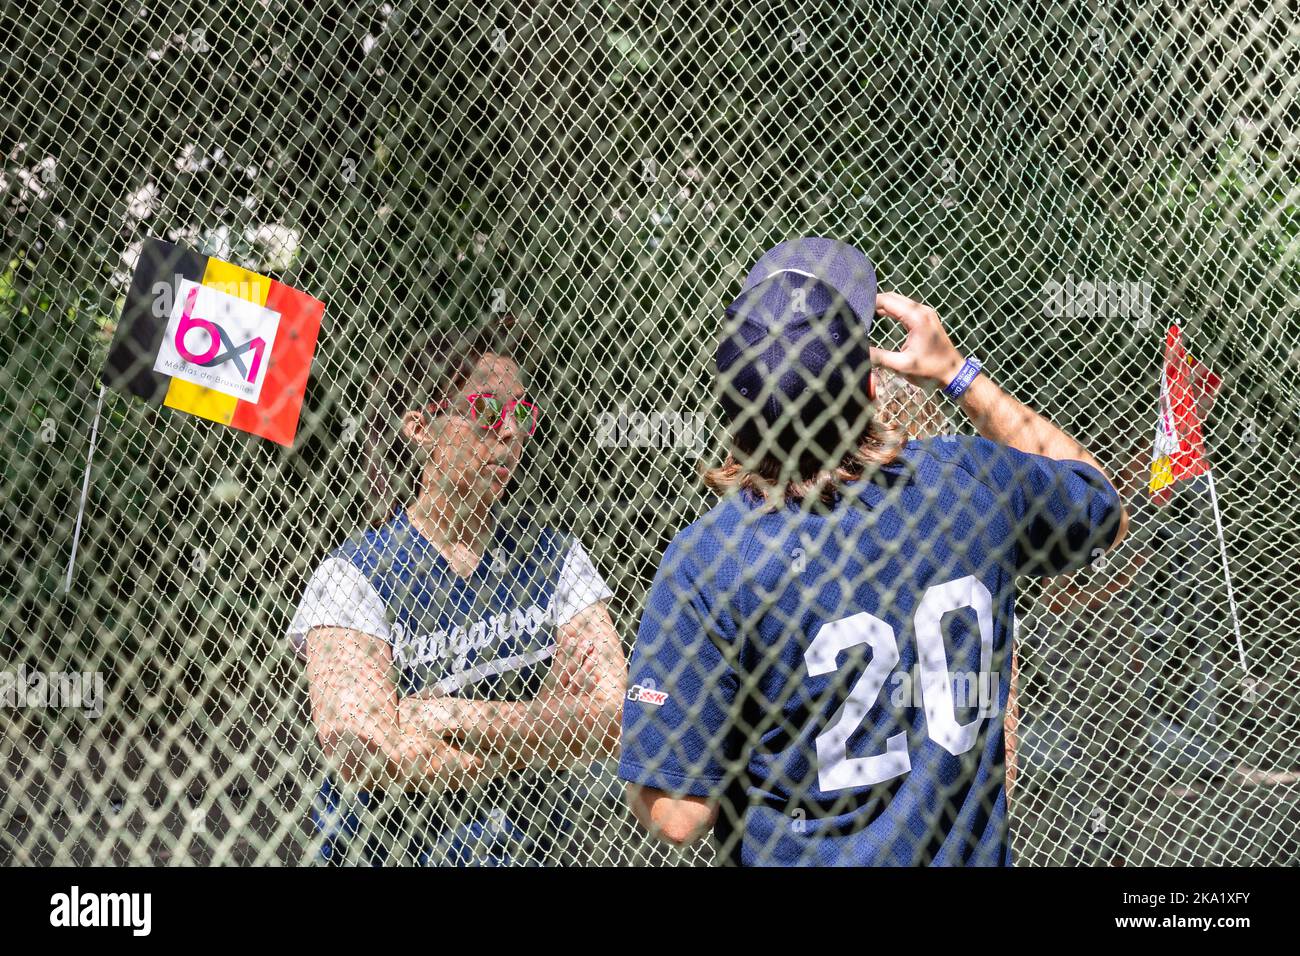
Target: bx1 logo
[(217, 340)]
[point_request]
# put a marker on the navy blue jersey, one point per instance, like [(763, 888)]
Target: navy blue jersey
[(488, 636), (837, 677)]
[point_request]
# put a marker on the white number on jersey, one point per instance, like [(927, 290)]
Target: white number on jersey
[(836, 770)]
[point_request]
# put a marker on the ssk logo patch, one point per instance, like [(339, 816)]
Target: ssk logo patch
[(646, 694)]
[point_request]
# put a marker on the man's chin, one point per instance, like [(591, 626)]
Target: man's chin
[(486, 490)]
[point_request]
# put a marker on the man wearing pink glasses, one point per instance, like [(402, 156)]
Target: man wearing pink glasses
[(456, 660)]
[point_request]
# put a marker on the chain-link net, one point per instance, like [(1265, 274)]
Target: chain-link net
[(405, 638)]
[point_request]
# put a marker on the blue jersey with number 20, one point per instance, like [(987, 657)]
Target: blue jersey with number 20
[(837, 677)]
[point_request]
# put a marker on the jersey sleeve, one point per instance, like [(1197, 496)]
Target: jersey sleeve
[(682, 689), (579, 586), (1066, 513), (338, 595)]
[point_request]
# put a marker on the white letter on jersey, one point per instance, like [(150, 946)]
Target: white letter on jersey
[(836, 770)]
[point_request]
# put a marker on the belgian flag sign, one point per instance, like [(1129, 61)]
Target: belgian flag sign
[(215, 340)]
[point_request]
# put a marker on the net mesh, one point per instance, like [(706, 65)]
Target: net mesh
[(1059, 183)]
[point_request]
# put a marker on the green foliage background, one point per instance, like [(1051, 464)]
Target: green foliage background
[(615, 168)]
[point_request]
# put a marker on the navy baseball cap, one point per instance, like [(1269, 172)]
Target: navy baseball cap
[(835, 263), (795, 343)]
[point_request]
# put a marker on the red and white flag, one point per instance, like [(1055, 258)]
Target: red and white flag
[(1187, 390)]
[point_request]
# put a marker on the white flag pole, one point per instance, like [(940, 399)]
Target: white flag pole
[(1227, 577), (85, 489)]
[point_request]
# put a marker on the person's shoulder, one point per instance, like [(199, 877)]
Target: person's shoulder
[(716, 539), (956, 449), (367, 549), (722, 519), (961, 459)]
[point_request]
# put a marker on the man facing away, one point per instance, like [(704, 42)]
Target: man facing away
[(821, 670)]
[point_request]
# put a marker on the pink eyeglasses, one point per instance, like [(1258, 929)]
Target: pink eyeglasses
[(489, 412)]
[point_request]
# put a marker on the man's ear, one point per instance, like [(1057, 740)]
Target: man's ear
[(871, 385)]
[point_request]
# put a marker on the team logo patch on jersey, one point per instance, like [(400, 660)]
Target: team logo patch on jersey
[(646, 694)]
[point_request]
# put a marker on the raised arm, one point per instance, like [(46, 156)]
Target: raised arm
[(929, 357)]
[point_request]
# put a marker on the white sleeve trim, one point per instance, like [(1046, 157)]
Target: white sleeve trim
[(579, 587), (338, 595)]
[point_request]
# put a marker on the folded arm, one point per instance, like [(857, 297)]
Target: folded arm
[(575, 716), (353, 687)]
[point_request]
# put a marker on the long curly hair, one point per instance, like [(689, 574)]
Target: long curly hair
[(903, 412), (880, 445)]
